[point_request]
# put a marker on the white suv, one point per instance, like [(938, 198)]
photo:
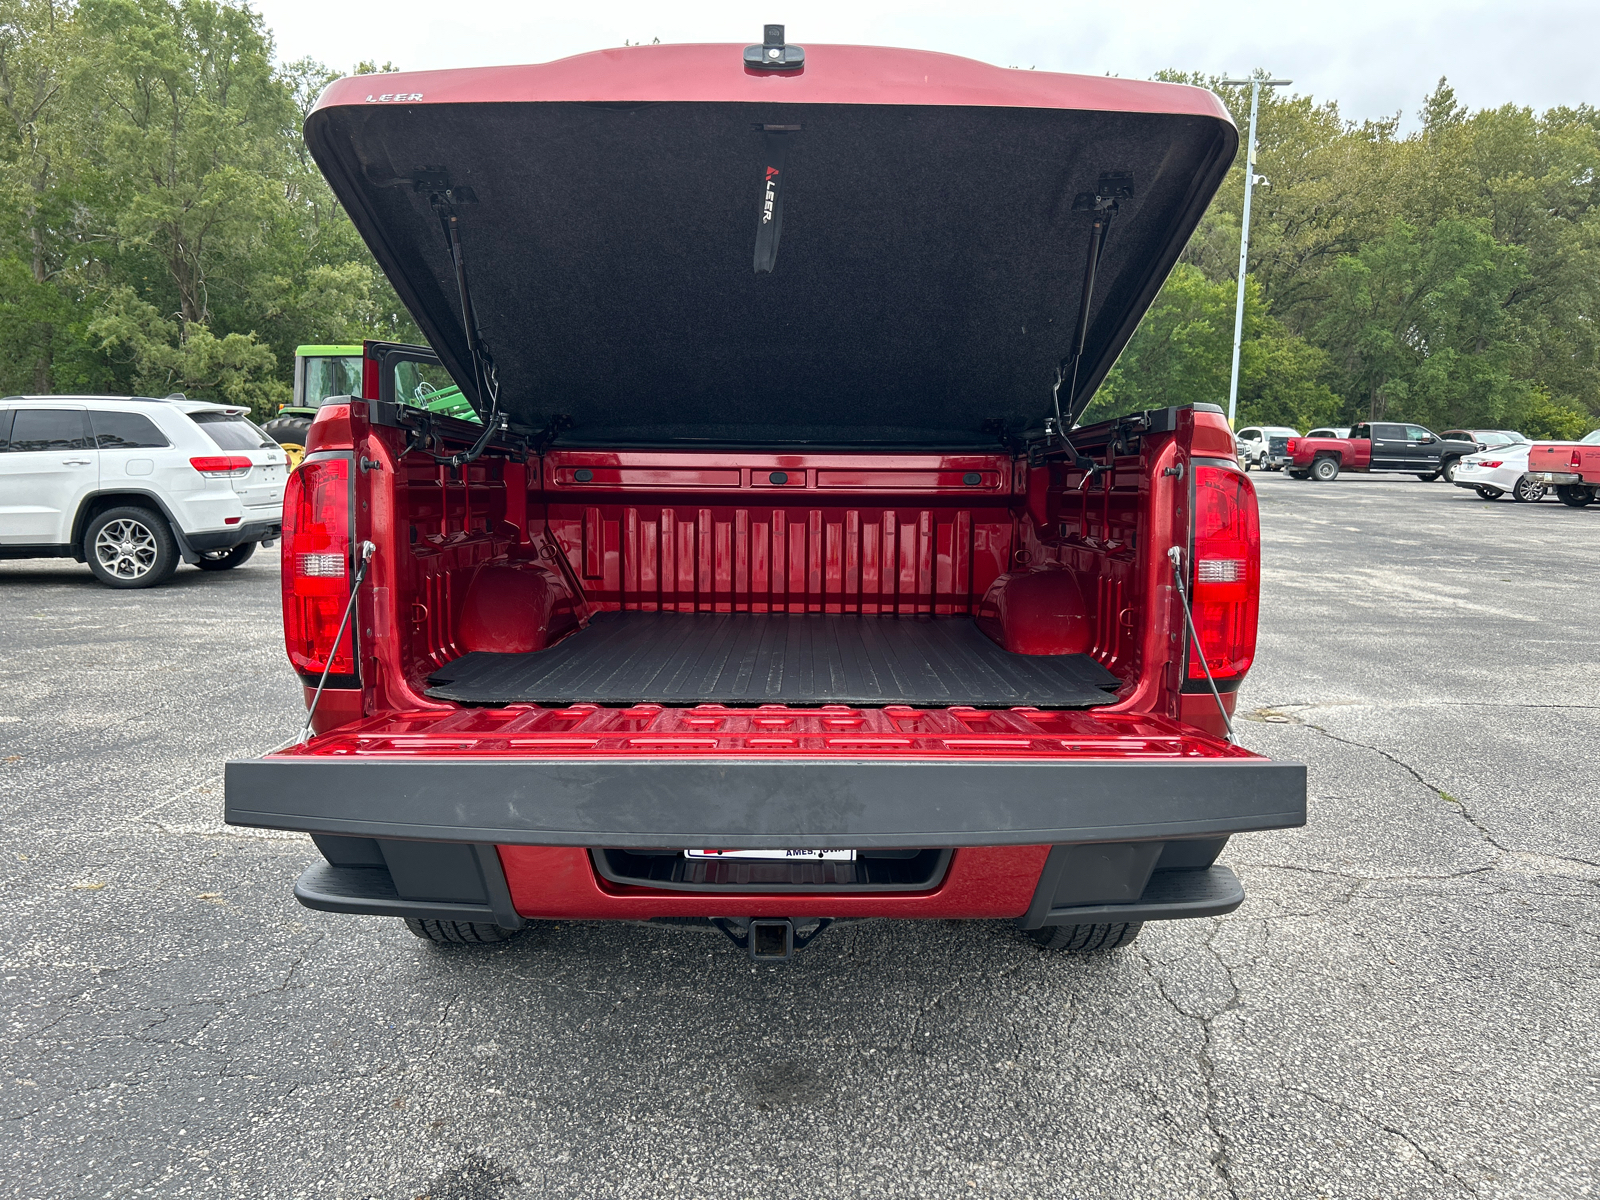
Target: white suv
[(132, 486)]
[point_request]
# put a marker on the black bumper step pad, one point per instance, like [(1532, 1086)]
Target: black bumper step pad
[(745, 659)]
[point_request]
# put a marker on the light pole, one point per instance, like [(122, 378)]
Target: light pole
[(1244, 230)]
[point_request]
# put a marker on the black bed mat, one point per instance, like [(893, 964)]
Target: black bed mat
[(749, 658)]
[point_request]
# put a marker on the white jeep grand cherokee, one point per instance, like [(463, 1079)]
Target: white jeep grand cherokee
[(132, 486)]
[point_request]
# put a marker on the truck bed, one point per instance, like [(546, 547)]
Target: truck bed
[(775, 658)]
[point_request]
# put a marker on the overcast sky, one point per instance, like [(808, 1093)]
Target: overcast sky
[(1375, 57)]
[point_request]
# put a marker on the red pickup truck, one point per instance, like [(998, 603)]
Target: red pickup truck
[(1378, 446), (771, 597), (1572, 468)]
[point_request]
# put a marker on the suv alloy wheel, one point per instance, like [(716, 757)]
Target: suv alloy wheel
[(130, 548)]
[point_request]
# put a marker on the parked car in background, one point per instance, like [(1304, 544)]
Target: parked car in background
[(1263, 446), (1334, 431), (1499, 472), (1572, 468), (133, 486), (1378, 446), (1487, 439)]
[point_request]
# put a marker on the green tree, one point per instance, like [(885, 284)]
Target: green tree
[(1182, 353), (1420, 326)]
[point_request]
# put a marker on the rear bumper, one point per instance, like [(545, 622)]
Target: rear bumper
[(1558, 478), (238, 535), (758, 804)]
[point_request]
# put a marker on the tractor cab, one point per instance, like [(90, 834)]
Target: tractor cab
[(321, 372)]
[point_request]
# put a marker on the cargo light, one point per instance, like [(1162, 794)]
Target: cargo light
[(221, 466), (1227, 572), (316, 567)]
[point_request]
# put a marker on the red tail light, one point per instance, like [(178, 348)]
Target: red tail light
[(1577, 458), (1489, 462), (221, 466), (1227, 572), (1290, 445), (316, 566)]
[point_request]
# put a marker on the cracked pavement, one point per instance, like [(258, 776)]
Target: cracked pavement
[(1407, 1004)]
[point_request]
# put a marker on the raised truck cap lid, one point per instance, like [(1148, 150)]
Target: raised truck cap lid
[(934, 216)]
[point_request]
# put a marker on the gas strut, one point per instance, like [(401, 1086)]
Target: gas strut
[(1103, 204)]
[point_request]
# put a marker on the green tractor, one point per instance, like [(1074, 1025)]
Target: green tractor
[(324, 371)]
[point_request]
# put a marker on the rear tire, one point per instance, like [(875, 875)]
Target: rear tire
[(1489, 493), (1574, 496), (1086, 939), (226, 560), (1325, 470), (1528, 490), (130, 547), (291, 433), (459, 933)]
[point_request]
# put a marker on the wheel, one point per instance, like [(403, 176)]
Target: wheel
[(1325, 470), (226, 560), (1491, 493), (1085, 939), (1528, 489), (291, 433), (130, 548), (459, 933), (1574, 496), (1448, 470), (1299, 474)]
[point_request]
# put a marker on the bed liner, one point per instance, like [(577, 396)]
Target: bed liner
[(767, 658)]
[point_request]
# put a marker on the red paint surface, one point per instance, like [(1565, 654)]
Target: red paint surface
[(871, 535), (560, 883), (832, 75), (1566, 458), (1354, 455), (588, 731)]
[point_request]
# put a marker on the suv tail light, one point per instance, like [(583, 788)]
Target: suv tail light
[(221, 466), (316, 566), (1227, 572)]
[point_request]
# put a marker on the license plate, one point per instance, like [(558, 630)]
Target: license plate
[(777, 855)]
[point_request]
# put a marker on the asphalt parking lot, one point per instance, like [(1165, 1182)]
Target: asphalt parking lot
[(1407, 1005)]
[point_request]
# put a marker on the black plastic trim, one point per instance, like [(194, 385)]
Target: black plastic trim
[(42, 550), (370, 890), (756, 803), (227, 539), (1169, 896)]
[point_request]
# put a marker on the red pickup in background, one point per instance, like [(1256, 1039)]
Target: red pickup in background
[(1572, 468)]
